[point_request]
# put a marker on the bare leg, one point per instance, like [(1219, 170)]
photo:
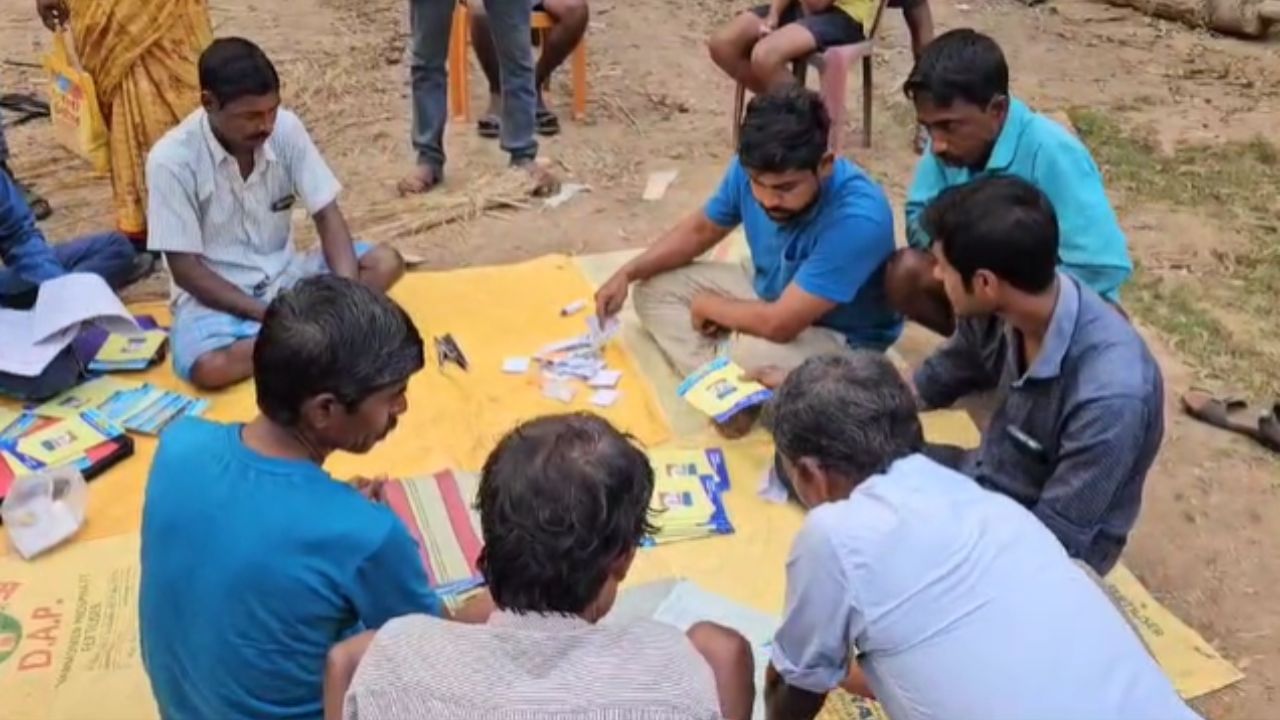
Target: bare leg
[(920, 24), (482, 41), (222, 368), (916, 293), (729, 655), (731, 48), (771, 57), (381, 268), (571, 18)]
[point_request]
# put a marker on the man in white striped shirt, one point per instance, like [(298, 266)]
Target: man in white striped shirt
[(564, 503), (222, 186)]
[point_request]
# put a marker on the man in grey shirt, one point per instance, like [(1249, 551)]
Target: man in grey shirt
[(564, 504), (1081, 415), (957, 603)]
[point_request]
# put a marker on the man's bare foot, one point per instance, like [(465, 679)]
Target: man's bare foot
[(421, 180), (740, 423), (545, 183)]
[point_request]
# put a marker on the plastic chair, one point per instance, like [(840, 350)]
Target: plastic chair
[(833, 66), (460, 44)]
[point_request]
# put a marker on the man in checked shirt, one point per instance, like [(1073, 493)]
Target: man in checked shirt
[(222, 189), (1081, 413), (1081, 410)]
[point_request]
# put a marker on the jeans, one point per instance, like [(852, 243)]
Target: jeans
[(431, 22), (107, 254)]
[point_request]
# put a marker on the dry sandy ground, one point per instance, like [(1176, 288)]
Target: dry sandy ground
[(1206, 544)]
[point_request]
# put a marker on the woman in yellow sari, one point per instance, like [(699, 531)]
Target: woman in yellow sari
[(142, 55)]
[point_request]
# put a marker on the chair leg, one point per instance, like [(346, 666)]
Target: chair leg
[(580, 80), (459, 44), (866, 101), (834, 79), (739, 99)]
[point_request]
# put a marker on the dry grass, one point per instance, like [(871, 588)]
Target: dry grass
[(1220, 315)]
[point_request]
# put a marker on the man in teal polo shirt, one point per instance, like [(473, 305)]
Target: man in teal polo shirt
[(819, 230), (960, 87)]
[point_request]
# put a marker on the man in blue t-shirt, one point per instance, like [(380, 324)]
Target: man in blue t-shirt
[(819, 230), (255, 561)]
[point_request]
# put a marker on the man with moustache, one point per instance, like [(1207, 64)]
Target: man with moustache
[(819, 230), (978, 129), (223, 186), (255, 561)]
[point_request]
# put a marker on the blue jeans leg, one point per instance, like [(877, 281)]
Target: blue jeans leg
[(512, 38), (430, 22), (108, 254)]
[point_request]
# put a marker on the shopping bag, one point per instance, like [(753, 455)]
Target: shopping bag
[(73, 105)]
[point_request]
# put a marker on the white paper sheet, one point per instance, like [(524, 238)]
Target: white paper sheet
[(33, 338)]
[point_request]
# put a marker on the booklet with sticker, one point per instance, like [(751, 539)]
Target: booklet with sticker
[(718, 390)]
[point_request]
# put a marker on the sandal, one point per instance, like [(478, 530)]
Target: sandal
[(40, 207), (1218, 412), (547, 122), (489, 127), (1269, 429)]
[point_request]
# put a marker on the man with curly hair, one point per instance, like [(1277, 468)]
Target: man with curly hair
[(564, 503)]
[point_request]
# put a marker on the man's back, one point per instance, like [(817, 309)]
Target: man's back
[(252, 567), (964, 605), (531, 666)]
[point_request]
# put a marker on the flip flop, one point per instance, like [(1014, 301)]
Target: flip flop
[(547, 122), (40, 207), (1218, 412), (489, 127), (1269, 429)]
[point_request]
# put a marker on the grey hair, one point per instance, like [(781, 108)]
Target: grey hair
[(853, 414)]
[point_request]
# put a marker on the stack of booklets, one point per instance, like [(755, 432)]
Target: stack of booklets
[(688, 489), (87, 440), (438, 510), (138, 407), (101, 351)]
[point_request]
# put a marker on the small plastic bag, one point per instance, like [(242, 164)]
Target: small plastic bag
[(73, 105), (44, 509)]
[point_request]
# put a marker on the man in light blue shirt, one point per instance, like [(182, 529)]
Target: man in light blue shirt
[(911, 583), (255, 561), (960, 87), (819, 230)]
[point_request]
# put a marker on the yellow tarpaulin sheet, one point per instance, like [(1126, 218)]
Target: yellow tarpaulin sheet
[(453, 419)]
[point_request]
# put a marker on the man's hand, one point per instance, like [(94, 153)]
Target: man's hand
[(53, 13), (374, 489), (612, 294), (476, 610), (770, 376), (769, 24), (699, 314)]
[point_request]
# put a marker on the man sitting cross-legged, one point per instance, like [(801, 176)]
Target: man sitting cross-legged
[(819, 231), (223, 186), (960, 88), (563, 503), (570, 24), (957, 602), (255, 561)]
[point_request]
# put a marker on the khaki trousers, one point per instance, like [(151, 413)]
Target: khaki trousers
[(663, 303)]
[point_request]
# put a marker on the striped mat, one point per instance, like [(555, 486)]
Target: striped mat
[(439, 512)]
